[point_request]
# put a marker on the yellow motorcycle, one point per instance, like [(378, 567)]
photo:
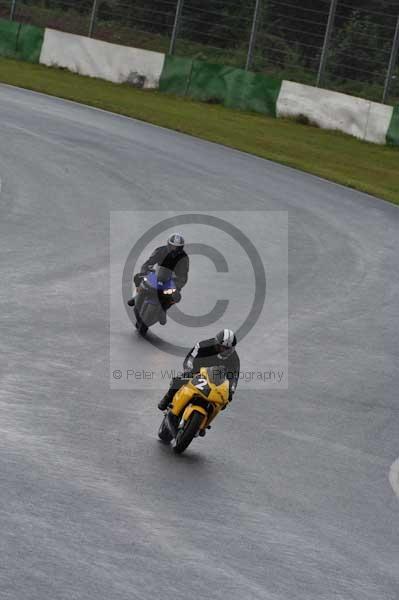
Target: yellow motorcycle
[(194, 406)]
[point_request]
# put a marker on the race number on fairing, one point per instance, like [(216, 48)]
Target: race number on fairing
[(201, 384)]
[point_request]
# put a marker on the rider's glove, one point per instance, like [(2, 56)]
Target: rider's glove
[(231, 391), (176, 297), (189, 365)]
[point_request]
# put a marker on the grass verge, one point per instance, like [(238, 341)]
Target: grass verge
[(332, 155)]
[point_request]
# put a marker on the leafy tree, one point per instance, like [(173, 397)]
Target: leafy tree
[(359, 51)]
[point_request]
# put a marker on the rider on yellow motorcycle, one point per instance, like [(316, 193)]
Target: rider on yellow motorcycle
[(207, 393), (220, 350)]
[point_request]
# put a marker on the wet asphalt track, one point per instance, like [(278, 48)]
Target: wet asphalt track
[(290, 499)]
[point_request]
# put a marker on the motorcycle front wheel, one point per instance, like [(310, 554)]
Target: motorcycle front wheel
[(186, 435), (140, 326), (149, 315), (164, 433)]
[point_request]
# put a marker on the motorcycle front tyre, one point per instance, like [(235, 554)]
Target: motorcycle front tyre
[(164, 433), (186, 435)]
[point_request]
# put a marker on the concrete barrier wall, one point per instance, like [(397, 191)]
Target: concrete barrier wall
[(332, 110), (99, 59), (378, 122), (234, 88)]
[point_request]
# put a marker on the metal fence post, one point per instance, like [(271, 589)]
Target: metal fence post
[(254, 31), (93, 18), (326, 44), (392, 63), (176, 25), (12, 10)]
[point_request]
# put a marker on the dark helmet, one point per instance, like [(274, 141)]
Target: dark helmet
[(176, 241), (216, 375), (225, 342)]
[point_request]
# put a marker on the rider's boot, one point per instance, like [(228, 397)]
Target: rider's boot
[(131, 301)]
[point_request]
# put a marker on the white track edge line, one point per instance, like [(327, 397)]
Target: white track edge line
[(394, 476)]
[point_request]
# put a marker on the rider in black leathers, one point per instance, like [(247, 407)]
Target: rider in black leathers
[(171, 256), (217, 351)]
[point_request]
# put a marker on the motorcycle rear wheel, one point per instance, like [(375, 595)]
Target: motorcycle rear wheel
[(186, 435), (141, 328)]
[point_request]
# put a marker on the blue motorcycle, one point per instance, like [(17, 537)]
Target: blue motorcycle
[(155, 294)]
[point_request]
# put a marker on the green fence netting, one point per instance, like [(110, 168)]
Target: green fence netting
[(393, 131), (8, 38), (30, 41), (23, 42), (176, 74), (235, 88)]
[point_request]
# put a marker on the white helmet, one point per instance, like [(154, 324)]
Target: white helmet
[(225, 340), (176, 240)]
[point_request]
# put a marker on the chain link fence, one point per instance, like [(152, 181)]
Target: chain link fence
[(346, 45)]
